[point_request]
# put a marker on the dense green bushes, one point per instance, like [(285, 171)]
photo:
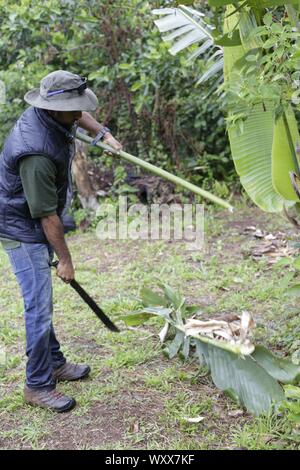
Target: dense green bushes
[(147, 97)]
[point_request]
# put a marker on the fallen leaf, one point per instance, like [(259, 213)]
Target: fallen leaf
[(163, 332), (198, 419), (259, 234), (236, 331), (263, 249), (135, 427), (247, 324), (270, 236)]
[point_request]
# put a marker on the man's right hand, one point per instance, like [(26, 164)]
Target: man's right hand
[(65, 270), (54, 232)]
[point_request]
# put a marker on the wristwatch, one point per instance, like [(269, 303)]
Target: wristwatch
[(100, 135)]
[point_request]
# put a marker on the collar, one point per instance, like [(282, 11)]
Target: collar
[(49, 122)]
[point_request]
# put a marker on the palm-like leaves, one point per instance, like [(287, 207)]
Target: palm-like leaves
[(262, 153), (186, 27)]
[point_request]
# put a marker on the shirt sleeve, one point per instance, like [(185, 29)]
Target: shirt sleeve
[(38, 176)]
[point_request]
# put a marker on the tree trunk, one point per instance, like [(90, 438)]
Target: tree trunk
[(86, 192)]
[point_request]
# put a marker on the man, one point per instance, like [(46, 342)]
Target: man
[(35, 168)]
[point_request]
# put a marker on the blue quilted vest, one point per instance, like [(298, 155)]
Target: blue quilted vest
[(35, 132)]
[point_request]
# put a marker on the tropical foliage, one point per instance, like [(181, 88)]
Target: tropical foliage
[(260, 46), (147, 99)]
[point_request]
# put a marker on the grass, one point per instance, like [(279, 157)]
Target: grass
[(136, 398)]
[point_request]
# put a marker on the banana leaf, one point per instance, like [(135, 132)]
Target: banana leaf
[(151, 298), (141, 316), (173, 349), (254, 380), (262, 153), (252, 156), (256, 149), (281, 369), (256, 389), (186, 27)]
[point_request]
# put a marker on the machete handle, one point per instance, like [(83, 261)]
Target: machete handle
[(54, 264)]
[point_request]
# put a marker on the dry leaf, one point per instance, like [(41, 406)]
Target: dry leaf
[(270, 236), (198, 419), (163, 332), (236, 331), (235, 413), (247, 324), (259, 234), (136, 427)]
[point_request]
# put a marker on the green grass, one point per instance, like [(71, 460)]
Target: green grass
[(135, 397)]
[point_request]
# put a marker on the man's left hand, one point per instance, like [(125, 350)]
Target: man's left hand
[(110, 140)]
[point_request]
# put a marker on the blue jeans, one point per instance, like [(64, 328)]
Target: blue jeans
[(30, 263)]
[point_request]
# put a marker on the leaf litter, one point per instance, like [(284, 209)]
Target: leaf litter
[(273, 246)]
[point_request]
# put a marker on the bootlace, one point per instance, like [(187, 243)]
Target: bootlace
[(56, 394)]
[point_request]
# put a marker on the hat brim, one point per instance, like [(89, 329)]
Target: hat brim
[(88, 101)]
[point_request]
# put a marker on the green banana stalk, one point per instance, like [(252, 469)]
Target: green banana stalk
[(157, 171)]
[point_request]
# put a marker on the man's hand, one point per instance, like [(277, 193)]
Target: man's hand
[(89, 123), (54, 232), (110, 140), (65, 270)]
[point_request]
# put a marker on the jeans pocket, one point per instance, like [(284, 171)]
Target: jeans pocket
[(29, 256), (12, 254)]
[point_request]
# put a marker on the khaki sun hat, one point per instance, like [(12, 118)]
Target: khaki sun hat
[(63, 91)]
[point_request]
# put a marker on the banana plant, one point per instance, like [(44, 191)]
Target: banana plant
[(263, 147), (247, 373)]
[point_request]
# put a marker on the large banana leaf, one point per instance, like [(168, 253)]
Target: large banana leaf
[(253, 149), (281, 369), (243, 378), (252, 155)]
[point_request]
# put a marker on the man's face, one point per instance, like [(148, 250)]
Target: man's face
[(66, 118)]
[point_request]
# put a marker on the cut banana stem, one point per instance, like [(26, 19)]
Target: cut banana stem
[(157, 171)]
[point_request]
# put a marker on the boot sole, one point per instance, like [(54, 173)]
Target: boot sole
[(64, 409)]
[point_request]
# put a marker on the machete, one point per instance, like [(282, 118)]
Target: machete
[(91, 303)]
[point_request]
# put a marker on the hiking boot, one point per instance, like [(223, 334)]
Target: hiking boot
[(50, 399), (69, 371)]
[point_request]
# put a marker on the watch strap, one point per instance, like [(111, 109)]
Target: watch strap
[(100, 135)]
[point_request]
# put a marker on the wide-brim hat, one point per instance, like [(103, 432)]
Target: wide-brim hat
[(62, 91)]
